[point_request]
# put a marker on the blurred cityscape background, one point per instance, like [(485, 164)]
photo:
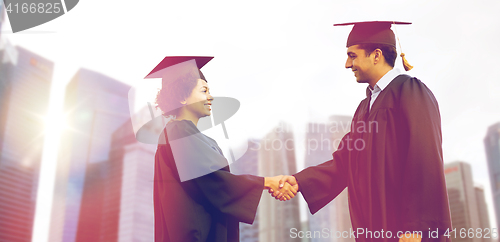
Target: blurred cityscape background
[(103, 183)]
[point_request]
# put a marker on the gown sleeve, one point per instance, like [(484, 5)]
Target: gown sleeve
[(235, 195), (322, 183), (423, 189), (203, 166)]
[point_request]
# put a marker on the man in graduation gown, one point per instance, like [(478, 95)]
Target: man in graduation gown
[(391, 161)]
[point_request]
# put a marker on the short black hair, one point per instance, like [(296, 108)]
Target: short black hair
[(388, 51), (174, 91)]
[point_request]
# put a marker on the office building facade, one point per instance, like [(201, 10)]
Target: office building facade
[(95, 106), (277, 156), (249, 164), (482, 208), (322, 139), (492, 146), (25, 80), (462, 198)]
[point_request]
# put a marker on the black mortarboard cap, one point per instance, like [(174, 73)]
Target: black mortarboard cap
[(372, 32), (172, 67)]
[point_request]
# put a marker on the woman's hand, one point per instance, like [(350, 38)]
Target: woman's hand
[(408, 237), (284, 193)]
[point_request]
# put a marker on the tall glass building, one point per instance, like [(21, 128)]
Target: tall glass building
[(322, 139), (135, 161), (462, 199), (95, 106), (117, 202), (277, 156), (2, 15), (25, 80), (248, 164), (492, 145), (482, 208)]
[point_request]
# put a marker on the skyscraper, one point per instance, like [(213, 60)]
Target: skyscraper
[(462, 198), (482, 208), (2, 15), (136, 217), (90, 222), (25, 80), (322, 139), (277, 156), (248, 164), (492, 145), (95, 106), (120, 206)]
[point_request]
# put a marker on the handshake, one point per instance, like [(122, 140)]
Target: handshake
[(281, 187)]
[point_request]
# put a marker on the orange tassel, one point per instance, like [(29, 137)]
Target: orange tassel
[(406, 65)]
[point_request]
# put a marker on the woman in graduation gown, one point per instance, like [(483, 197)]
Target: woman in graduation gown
[(196, 198)]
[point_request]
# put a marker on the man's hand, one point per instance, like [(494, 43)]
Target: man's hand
[(410, 238), (284, 182), (286, 191)]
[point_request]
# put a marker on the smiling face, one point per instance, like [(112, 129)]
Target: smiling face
[(199, 102), (360, 64)]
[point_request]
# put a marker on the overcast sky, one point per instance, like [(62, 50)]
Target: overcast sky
[(284, 60)]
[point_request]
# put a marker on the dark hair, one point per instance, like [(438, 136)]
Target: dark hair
[(388, 51), (174, 91)]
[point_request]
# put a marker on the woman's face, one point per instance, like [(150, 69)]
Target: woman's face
[(200, 100)]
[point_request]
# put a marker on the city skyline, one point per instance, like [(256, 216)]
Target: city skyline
[(281, 126), (313, 128)]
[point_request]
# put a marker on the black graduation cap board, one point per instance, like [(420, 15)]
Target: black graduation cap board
[(374, 32), (174, 66)]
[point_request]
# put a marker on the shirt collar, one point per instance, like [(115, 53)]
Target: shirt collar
[(385, 80)]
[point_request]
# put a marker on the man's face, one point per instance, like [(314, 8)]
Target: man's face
[(360, 64)]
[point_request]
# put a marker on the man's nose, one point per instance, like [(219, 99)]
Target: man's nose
[(348, 63)]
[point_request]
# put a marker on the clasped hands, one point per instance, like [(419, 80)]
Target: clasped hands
[(282, 188)]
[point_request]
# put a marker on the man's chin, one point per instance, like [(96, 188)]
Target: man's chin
[(361, 81)]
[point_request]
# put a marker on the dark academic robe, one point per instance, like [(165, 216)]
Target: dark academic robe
[(392, 164), (206, 208)]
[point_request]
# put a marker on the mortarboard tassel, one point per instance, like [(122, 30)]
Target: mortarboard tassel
[(406, 65)]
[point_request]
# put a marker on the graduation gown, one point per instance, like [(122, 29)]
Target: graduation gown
[(392, 164), (206, 208)]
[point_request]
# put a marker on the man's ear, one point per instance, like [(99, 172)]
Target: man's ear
[(377, 55)]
